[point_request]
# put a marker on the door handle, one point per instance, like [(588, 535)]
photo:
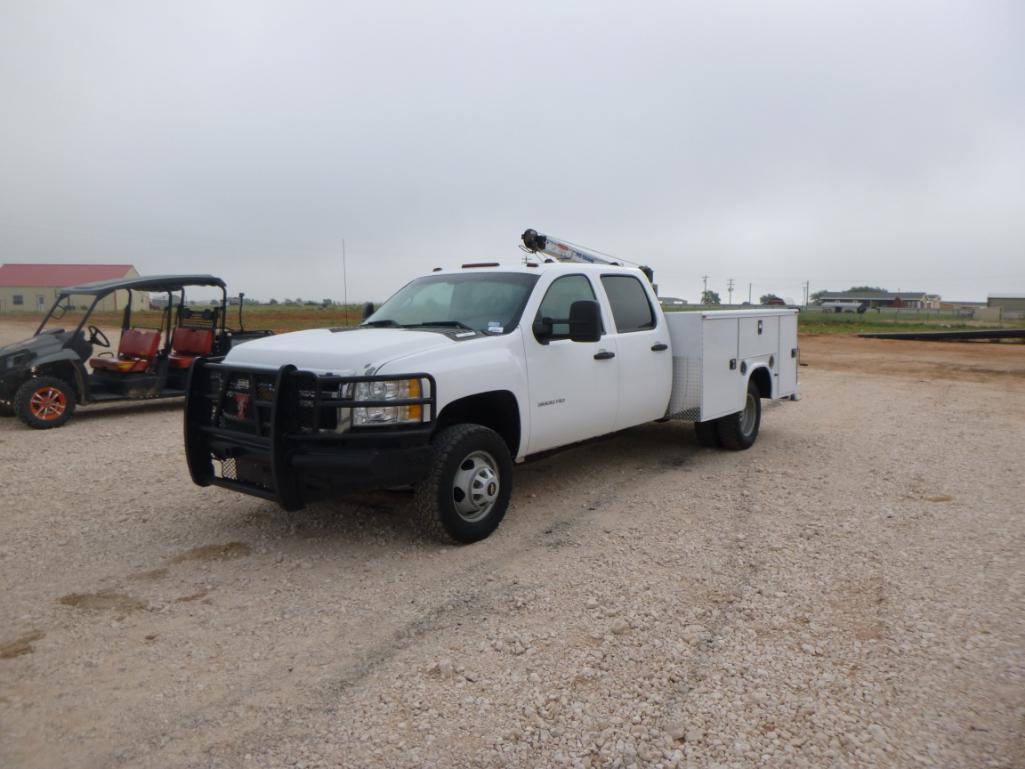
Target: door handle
[(659, 347), (604, 355)]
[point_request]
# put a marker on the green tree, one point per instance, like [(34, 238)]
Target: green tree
[(766, 298), (272, 301), (868, 289), (710, 297)]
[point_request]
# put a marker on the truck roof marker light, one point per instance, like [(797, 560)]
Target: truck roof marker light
[(480, 264), (436, 269)]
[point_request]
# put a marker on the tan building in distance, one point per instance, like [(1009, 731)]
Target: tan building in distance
[(33, 287), (1007, 302)]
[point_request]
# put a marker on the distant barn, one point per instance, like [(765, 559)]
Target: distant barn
[(1011, 306), (671, 301), (33, 287)]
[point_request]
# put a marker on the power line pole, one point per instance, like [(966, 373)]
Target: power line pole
[(807, 286), (749, 293), (704, 291), (345, 285), (729, 288)]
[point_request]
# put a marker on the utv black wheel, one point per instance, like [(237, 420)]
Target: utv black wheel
[(467, 492), (739, 431), (708, 433), (44, 402)]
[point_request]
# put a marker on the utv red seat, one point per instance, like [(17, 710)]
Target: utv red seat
[(187, 343), (136, 350)]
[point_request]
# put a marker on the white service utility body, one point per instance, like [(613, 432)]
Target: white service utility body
[(464, 371)]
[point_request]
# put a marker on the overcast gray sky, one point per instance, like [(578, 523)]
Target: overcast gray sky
[(842, 142)]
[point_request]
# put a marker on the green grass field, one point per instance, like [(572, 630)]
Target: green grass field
[(814, 321)]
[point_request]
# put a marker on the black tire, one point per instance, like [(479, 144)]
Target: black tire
[(466, 457), (739, 431), (708, 433), (44, 402)]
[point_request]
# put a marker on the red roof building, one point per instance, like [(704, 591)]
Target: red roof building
[(33, 287), (60, 275)]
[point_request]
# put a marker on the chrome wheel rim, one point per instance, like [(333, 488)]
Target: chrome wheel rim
[(476, 486), (747, 417)]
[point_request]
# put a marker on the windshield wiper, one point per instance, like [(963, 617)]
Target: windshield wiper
[(444, 323), (385, 322)]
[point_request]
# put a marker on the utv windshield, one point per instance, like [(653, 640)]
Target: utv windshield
[(66, 313), (490, 303)]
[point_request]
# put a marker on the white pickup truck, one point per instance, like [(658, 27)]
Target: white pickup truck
[(464, 372)]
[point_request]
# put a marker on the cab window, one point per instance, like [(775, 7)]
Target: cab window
[(630, 306), (560, 295)]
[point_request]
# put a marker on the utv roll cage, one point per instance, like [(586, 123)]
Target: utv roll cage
[(169, 284)]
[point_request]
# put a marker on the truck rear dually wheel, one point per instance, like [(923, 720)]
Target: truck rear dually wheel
[(466, 494), (739, 431), (708, 433)]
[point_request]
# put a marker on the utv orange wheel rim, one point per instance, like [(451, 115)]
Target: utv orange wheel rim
[(47, 403)]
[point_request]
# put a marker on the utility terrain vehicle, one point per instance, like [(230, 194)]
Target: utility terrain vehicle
[(44, 378), (462, 372)]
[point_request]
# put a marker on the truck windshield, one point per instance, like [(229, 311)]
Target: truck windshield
[(490, 303)]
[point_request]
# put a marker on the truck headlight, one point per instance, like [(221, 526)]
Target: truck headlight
[(389, 390)]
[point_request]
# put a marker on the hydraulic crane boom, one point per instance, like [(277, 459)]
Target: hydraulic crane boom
[(535, 242)]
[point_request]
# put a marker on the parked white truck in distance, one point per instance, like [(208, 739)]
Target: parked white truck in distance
[(464, 372)]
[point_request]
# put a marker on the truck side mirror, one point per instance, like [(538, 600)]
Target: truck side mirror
[(368, 310), (584, 321), (542, 328)]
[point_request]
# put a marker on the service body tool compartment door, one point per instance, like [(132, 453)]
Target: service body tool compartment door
[(758, 336), (685, 335), (722, 385), (786, 368)]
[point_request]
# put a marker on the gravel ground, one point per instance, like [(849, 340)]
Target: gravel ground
[(849, 593)]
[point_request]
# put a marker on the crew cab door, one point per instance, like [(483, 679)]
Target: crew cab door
[(642, 347), (574, 386)]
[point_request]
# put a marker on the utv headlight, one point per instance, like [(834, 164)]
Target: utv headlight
[(390, 390)]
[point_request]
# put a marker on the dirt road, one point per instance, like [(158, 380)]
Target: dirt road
[(850, 592)]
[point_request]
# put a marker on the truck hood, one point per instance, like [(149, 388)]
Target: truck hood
[(345, 351)]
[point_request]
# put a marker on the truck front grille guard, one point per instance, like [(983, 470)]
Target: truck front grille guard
[(267, 414)]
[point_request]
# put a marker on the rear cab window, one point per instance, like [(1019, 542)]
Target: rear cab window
[(631, 308)]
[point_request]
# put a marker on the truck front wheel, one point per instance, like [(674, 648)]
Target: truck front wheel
[(739, 431), (465, 496)]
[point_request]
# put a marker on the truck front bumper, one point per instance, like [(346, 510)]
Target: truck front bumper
[(280, 440)]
